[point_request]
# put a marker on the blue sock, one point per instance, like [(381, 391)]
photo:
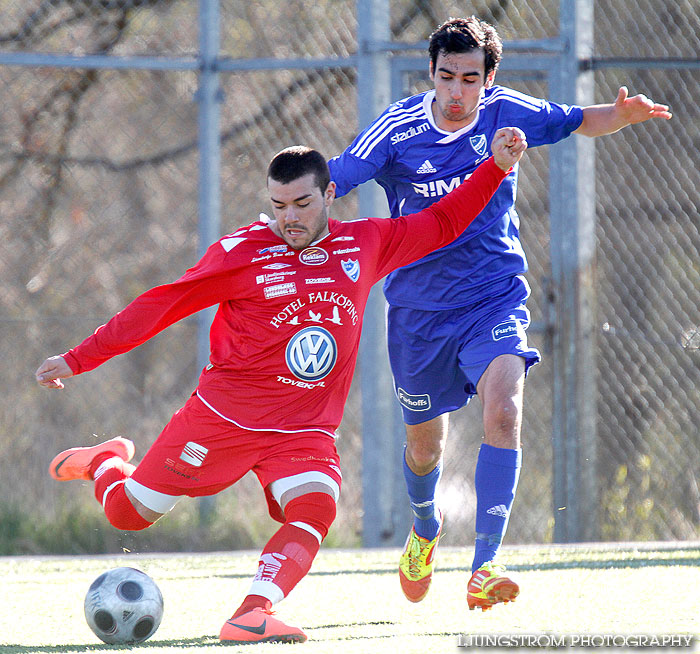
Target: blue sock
[(421, 492), (496, 478)]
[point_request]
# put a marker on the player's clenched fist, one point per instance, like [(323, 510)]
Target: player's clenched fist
[(508, 146), (49, 373)]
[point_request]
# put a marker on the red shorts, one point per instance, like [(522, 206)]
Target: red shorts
[(200, 453)]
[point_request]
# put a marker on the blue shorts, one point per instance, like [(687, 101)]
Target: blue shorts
[(438, 357)]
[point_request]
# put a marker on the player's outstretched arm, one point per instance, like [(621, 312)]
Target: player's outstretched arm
[(410, 237), (49, 373), (507, 147), (601, 119)]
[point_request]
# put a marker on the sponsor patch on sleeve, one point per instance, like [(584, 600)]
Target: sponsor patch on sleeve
[(506, 329)]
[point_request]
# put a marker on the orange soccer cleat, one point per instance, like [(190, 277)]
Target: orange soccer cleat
[(487, 587), (75, 463), (259, 626)]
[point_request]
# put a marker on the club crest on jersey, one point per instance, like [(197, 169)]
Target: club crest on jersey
[(311, 354), (479, 143), (351, 268), (313, 256)]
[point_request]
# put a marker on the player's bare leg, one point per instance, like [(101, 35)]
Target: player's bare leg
[(425, 444), (498, 467), (146, 513), (500, 390)]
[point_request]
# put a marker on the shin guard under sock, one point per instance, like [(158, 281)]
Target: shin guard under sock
[(496, 479), (421, 492), (288, 555)]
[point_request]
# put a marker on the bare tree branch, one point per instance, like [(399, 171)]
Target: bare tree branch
[(38, 24)]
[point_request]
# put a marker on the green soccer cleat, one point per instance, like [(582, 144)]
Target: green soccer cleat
[(416, 565)]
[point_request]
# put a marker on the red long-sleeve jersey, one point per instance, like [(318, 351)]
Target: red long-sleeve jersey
[(284, 340)]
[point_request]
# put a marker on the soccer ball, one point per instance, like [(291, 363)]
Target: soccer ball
[(123, 605)]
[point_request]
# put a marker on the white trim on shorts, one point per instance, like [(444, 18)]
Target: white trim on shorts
[(280, 486), (151, 499)]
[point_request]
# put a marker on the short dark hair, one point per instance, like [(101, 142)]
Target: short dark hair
[(295, 162), (463, 35)]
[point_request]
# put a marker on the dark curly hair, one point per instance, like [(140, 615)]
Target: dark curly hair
[(463, 35)]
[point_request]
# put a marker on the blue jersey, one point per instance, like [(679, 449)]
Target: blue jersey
[(416, 163)]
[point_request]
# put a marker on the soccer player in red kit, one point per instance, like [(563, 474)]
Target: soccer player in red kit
[(291, 295)]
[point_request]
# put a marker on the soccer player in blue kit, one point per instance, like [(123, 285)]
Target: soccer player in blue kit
[(457, 317)]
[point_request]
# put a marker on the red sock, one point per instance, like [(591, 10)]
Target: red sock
[(285, 560), (294, 549), (105, 456), (115, 470), (252, 602), (288, 555), (111, 494)]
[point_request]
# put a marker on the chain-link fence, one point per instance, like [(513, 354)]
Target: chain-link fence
[(98, 198), (649, 279)]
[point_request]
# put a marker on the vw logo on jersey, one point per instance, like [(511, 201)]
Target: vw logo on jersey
[(311, 353), (478, 142)]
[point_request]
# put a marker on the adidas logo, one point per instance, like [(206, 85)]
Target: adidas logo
[(499, 510), (426, 167)]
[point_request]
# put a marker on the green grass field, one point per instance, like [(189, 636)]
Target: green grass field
[(351, 602)]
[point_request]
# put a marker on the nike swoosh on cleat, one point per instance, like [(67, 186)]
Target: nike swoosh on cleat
[(56, 468), (253, 630)]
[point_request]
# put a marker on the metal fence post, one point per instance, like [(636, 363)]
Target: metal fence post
[(209, 189), (385, 507), (572, 189)]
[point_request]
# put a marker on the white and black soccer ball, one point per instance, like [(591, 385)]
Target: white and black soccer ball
[(123, 605)]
